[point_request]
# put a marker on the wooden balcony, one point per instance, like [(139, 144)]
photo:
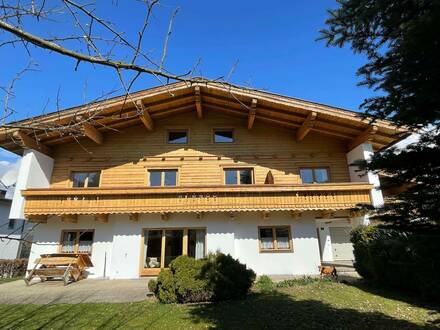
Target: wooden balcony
[(331, 196)]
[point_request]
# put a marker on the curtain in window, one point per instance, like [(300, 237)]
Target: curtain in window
[(85, 246), (145, 248), (68, 242), (200, 244), (282, 238)]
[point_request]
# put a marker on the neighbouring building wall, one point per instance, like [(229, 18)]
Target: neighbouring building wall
[(35, 172), (9, 248), (116, 251)]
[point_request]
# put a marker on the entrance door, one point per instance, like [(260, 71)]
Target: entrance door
[(342, 248), (161, 246)]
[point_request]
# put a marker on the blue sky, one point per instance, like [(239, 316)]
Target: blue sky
[(274, 43)]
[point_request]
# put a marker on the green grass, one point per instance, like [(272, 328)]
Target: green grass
[(318, 305), (6, 280)]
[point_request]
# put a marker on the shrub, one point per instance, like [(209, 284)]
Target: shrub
[(398, 259), (227, 277), (265, 284), (13, 268), (217, 277)]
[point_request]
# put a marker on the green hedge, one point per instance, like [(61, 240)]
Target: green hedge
[(217, 277), (398, 259)]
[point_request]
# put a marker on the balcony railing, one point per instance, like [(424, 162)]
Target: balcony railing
[(331, 196)]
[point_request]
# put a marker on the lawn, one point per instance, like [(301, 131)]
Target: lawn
[(6, 280), (319, 305)]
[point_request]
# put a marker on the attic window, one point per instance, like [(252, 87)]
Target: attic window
[(223, 135), (178, 137), (85, 179)]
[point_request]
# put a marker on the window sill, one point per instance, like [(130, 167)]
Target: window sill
[(277, 251)]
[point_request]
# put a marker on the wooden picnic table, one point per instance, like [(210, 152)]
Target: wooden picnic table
[(65, 265)]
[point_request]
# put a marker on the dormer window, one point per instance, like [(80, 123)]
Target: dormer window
[(223, 136), (162, 178), (314, 175), (178, 137), (85, 179)]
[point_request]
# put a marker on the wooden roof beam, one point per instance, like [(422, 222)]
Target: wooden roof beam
[(364, 137), (252, 113), (306, 126), (30, 143), (198, 97), (92, 133), (145, 116)]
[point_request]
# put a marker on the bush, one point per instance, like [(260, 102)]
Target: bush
[(265, 284), (217, 277), (13, 268), (227, 277), (398, 259)]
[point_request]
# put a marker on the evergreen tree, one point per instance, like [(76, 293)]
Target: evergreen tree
[(401, 40)]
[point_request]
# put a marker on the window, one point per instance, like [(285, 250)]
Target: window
[(223, 136), (85, 179), (273, 239), (161, 246), (159, 178), (178, 137), (314, 175), (11, 224), (76, 241), (239, 176)]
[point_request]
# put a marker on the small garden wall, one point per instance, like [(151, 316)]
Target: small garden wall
[(13, 268)]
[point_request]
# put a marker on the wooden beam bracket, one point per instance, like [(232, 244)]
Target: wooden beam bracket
[(198, 98), (69, 218), (92, 133), (134, 217), (145, 116), (30, 143), (366, 135), (252, 113), (306, 126), (102, 218)]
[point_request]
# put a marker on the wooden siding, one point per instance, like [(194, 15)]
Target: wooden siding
[(125, 157), (195, 199)]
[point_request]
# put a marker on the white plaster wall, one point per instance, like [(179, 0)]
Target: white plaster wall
[(117, 244), (35, 172), (365, 152), (8, 247), (46, 239), (323, 226), (304, 260)]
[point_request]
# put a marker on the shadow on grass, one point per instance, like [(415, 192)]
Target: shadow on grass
[(395, 294), (281, 311)]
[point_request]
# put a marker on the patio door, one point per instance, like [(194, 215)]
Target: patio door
[(161, 246)]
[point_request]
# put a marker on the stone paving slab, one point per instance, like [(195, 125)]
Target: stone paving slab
[(84, 291)]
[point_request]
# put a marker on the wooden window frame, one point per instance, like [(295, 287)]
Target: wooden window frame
[(313, 168), (177, 130), (162, 176), (274, 239), (86, 183), (155, 271), (223, 129), (238, 169), (78, 231)]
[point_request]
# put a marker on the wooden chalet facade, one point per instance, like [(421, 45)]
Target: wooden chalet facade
[(194, 168)]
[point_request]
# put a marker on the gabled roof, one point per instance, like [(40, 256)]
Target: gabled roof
[(149, 105)]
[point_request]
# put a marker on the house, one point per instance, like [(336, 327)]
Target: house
[(185, 169), (11, 230)]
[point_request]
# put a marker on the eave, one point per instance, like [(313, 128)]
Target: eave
[(147, 106)]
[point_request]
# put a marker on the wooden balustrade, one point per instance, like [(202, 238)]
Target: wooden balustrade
[(332, 196)]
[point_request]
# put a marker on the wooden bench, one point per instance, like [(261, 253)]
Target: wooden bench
[(67, 266)]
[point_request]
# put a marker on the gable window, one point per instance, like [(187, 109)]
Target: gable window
[(273, 239), (223, 136), (178, 137), (85, 179), (160, 178), (314, 175), (239, 176), (76, 241)]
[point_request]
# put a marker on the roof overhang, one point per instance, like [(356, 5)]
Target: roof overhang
[(147, 106)]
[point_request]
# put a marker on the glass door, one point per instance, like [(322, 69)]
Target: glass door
[(173, 245)]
